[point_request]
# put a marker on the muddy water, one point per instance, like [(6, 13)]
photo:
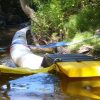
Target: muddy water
[(44, 86)]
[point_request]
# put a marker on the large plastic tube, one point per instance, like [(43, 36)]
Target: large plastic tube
[(21, 53)]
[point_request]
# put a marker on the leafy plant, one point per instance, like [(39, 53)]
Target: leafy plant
[(66, 19)]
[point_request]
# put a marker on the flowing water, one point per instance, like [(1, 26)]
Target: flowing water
[(46, 86)]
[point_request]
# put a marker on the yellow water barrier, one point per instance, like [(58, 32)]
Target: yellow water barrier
[(79, 69), (71, 69), (24, 71)]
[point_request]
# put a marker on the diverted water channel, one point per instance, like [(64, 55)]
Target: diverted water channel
[(45, 86)]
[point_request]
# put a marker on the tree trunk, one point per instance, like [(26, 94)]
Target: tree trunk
[(27, 10), (30, 13)]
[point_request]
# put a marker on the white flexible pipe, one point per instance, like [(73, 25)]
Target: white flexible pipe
[(20, 52)]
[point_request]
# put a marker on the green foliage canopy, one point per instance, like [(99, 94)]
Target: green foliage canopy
[(67, 17)]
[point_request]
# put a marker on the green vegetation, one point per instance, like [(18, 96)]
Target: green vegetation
[(68, 19)]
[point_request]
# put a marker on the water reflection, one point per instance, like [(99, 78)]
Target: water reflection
[(34, 87), (47, 86), (80, 89)]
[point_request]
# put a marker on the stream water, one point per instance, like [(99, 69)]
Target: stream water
[(42, 86), (46, 86)]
